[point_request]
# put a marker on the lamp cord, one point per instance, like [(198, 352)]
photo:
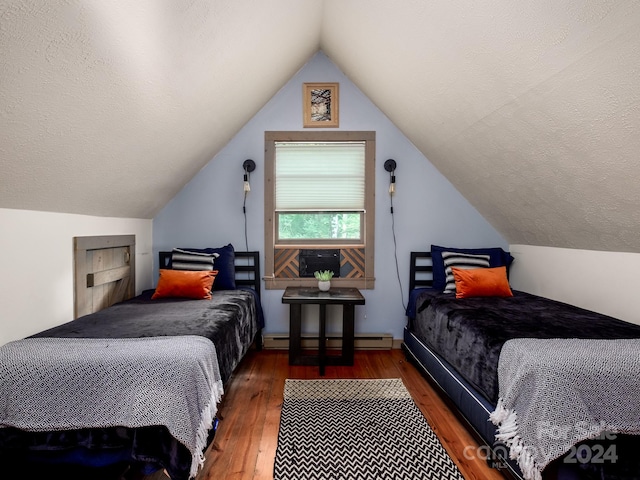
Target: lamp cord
[(395, 254)]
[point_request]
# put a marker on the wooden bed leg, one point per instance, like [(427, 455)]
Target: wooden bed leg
[(258, 340)]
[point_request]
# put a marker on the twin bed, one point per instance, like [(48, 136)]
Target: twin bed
[(137, 383), (552, 388)]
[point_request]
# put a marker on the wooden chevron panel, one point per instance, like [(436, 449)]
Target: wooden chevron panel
[(352, 262), (286, 263)]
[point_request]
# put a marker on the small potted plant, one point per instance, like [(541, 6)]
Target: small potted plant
[(324, 279)]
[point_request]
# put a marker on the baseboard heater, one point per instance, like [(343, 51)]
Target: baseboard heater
[(363, 341)]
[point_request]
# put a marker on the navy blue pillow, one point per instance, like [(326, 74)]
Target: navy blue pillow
[(497, 258), (225, 264)]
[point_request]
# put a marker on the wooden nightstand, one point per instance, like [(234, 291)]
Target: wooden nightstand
[(298, 296)]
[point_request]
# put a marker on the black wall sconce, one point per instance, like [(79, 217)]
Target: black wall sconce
[(390, 166), (248, 166)]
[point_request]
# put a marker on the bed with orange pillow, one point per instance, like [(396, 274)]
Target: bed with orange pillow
[(457, 329), (186, 309)]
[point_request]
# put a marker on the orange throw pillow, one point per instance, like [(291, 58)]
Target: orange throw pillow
[(482, 282), (185, 284)]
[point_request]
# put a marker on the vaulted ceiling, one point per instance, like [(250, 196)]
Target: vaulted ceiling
[(530, 109)]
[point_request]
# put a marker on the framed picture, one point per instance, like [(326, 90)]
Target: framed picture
[(320, 105)]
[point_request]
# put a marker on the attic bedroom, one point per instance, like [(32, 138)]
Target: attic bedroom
[(511, 127)]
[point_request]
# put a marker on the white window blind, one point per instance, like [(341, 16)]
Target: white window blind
[(320, 176)]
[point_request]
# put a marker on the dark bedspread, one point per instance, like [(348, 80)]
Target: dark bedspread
[(469, 333), (229, 320)]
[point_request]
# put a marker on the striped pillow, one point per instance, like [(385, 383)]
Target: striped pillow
[(464, 261), (185, 260)]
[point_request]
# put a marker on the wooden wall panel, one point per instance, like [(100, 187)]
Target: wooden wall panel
[(286, 263), (104, 269)]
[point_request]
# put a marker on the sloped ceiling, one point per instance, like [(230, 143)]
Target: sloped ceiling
[(109, 108), (531, 109)]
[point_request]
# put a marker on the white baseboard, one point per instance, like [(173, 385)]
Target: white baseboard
[(363, 341)]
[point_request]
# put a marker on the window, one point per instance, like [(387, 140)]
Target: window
[(319, 189), (319, 194)]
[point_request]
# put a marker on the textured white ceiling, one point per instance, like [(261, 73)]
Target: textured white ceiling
[(531, 109), (109, 108)]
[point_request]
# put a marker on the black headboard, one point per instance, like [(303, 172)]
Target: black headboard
[(421, 270), (247, 268)]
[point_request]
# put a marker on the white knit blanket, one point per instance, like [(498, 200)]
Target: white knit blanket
[(50, 384), (555, 393)]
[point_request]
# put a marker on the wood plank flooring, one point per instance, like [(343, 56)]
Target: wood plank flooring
[(245, 443)]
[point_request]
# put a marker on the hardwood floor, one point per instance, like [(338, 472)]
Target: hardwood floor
[(245, 443)]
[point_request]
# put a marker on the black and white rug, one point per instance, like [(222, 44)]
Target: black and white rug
[(356, 430)]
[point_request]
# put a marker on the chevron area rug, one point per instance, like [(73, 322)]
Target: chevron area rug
[(356, 430)]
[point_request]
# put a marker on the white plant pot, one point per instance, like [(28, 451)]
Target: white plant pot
[(324, 285)]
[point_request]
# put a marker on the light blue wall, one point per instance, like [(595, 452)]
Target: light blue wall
[(427, 209)]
